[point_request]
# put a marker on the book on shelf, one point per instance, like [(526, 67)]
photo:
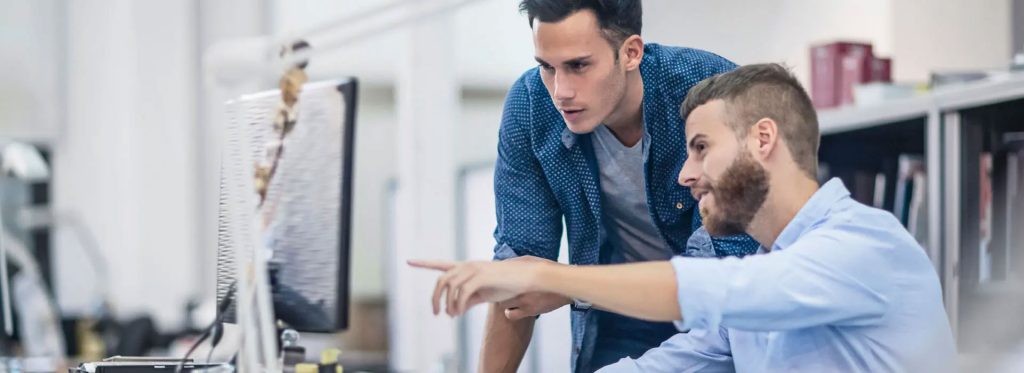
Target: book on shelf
[(863, 187), (985, 215), (835, 68), (917, 218), (879, 200), (910, 171), (838, 68), (1013, 142), (881, 70)]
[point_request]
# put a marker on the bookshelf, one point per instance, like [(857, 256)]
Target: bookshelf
[(949, 130)]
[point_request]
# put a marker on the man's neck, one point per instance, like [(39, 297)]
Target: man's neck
[(784, 201), (627, 122)]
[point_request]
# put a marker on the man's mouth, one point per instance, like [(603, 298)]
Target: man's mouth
[(702, 197), (571, 114)]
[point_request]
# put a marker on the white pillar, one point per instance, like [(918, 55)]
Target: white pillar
[(427, 101), (126, 161)]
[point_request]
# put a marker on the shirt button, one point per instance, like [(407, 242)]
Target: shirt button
[(679, 205)]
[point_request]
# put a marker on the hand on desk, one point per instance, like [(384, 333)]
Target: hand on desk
[(466, 284)]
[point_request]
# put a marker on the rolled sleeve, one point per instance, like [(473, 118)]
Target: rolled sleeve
[(504, 252)]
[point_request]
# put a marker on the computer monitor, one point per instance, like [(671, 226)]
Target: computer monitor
[(306, 218)]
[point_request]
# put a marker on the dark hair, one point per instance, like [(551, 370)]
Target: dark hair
[(618, 19), (753, 92)]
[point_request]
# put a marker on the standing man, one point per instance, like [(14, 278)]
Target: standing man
[(591, 136)]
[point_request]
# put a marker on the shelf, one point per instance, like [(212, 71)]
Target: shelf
[(993, 90), (850, 118), (976, 94), (950, 126)]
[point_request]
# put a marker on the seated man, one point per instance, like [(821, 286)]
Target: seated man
[(838, 286)]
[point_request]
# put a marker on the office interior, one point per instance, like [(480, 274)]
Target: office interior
[(124, 104)]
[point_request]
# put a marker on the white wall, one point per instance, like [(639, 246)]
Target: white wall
[(1017, 24), (376, 166), (493, 44), (30, 68), (767, 31), (137, 161), (950, 35), (125, 164), (492, 41)]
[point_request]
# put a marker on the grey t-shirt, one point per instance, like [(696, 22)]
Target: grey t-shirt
[(631, 231)]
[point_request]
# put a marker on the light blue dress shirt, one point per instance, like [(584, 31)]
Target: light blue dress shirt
[(845, 288)]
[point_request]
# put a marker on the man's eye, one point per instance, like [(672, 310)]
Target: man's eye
[(547, 68), (577, 66)]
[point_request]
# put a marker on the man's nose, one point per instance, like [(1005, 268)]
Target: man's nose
[(690, 173), (563, 88)]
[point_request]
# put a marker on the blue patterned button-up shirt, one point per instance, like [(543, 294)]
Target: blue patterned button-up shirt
[(545, 173)]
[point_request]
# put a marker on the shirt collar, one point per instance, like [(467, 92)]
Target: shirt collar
[(568, 138), (816, 209)]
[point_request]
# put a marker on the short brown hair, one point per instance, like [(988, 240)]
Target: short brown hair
[(753, 92)]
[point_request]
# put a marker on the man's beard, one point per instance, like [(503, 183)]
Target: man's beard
[(739, 194)]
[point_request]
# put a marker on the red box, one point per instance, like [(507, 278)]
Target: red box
[(881, 70), (856, 69), (832, 79)]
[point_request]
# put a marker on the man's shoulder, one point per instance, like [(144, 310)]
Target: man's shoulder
[(520, 100), (679, 68), (869, 227), (528, 111), (685, 55), (527, 84)]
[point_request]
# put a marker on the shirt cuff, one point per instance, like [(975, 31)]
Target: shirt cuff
[(701, 291), (503, 252)]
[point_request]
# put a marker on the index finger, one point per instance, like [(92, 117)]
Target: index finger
[(430, 264)]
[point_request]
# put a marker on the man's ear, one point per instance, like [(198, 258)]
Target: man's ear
[(632, 52), (765, 136)]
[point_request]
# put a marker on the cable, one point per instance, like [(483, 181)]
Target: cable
[(209, 355), (184, 359), (216, 334), (215, 328)]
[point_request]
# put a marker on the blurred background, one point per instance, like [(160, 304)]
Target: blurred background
[(124, 100)]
